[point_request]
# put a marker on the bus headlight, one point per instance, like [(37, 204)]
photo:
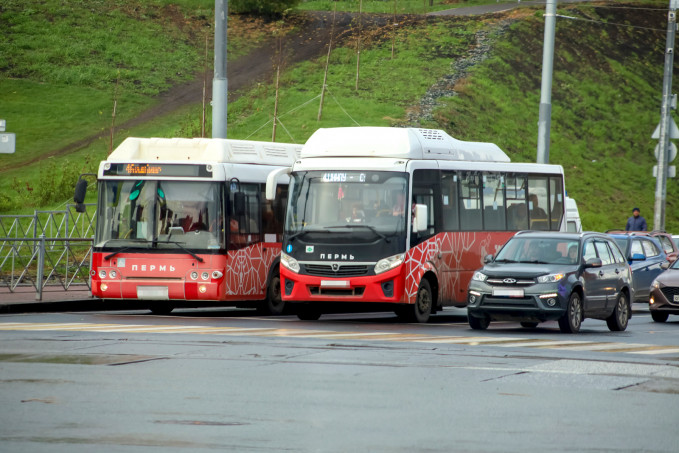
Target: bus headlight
[(386, 264), (289, 263)]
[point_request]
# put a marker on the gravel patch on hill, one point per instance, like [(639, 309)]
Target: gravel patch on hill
[(459, 69)]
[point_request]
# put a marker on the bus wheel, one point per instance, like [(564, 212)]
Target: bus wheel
[(308, 312), (421, 309), (273, 304), (161, 308)]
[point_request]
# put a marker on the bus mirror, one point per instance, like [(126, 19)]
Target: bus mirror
[(79, 196), (81, 192), (420, 220), (272, 180), (239, 204)]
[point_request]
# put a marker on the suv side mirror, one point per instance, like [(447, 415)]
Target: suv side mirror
[(665, 265), (487, 259), (638, 257), (594, 262)]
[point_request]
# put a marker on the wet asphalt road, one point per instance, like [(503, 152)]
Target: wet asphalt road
[(226, 380)]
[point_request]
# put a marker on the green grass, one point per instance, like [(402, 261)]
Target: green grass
[(391, 6), (606, 97)]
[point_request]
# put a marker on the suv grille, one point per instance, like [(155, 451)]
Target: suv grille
[(506, 281), (345, 270)]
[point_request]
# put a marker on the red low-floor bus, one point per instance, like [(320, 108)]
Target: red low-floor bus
[(403, 216), (185, 222)]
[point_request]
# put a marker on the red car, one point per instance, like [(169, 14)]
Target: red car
[(664, 299)]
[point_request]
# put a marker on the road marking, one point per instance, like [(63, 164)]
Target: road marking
[(504, 342)]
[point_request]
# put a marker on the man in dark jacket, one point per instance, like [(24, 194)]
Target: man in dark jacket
[(636, 222)]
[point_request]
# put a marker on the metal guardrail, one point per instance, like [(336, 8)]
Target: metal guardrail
[(48, 248)]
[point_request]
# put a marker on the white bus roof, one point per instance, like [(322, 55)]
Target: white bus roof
[(205, 150), (401, 143)]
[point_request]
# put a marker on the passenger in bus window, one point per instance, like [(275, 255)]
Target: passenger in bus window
[(536, 212), (519, 216), (400, 205), (357, 214)]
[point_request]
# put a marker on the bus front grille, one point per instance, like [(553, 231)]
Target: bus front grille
[(343, 270)]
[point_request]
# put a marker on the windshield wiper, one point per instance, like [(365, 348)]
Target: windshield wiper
[(111, 255), (184, 249), (505, 261), (370, 227), (533, 262)]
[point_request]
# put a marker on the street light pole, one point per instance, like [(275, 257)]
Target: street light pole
[(219, 82), (545, 118), (665, 118)]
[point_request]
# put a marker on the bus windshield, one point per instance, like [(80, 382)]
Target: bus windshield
[(363, 206), (159, 214)]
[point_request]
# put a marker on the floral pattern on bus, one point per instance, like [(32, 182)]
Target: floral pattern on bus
[(453, 257), (247, 269)]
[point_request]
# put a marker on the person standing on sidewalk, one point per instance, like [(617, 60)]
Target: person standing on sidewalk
[(636, 222)]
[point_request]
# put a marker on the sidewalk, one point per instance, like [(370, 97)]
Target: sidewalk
[(53, 299)]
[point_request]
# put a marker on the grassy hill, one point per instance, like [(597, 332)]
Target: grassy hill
[(606, 90)]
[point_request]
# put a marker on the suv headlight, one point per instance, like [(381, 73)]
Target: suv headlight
[(289, 263), (551, 278), (479, 276), (389, 263)]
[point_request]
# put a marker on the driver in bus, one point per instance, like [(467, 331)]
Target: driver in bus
[(195, 216)]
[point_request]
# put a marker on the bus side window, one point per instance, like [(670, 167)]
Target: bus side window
[(449, 201), (425, 186), (556, 202), (470, 202)]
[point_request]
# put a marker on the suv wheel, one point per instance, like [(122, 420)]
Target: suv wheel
[(571, 321), (617, 322), (479, 323)]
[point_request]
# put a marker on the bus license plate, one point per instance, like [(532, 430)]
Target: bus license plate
[(334, 284), (152, 293), (508, 292)]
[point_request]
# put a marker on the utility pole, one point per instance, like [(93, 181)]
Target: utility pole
[(665, 129), (219, 85), (545, 116)]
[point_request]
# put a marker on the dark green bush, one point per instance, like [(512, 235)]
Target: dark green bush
[(262, 7)]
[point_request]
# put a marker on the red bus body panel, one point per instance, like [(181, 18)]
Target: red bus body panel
[(452, 257), (244, 275)]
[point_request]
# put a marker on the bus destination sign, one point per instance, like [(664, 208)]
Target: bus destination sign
[(343, 177), (171, 170)]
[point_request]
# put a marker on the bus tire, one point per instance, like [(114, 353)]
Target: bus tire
[(273, 305), (161, 308), (420, 311), (308, 312)]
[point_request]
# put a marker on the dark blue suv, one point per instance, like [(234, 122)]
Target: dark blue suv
[(645, 256), (547, 276)]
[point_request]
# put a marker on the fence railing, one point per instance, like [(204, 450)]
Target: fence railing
[(49, 248)]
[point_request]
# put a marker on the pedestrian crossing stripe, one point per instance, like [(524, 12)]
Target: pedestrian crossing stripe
[(504, 342)]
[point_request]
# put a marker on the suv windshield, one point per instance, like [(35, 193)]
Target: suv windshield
[(159, 214), (539, 250)]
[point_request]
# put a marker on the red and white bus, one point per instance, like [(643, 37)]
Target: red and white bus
[(185, 221), (404, 216)]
